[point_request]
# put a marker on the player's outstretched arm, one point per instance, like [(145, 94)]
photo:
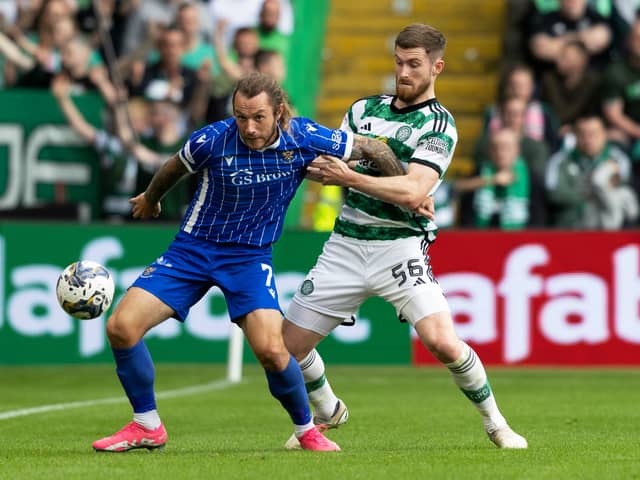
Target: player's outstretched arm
[(378, 152), (147, 204)]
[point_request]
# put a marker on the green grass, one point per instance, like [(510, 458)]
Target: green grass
[(405, 423)]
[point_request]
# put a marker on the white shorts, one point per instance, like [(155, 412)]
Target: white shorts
[(349, 271)]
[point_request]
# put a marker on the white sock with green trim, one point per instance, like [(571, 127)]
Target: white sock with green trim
[(320, 393), (469, 375)]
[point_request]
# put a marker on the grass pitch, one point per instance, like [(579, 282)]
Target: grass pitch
[(405, 423)]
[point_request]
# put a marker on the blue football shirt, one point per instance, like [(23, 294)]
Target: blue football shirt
[(243, 194)]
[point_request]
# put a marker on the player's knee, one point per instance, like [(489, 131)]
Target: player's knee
[(273, 357), (299, 341), (121, 332), (444, 348), (296, 348), (443, 343)]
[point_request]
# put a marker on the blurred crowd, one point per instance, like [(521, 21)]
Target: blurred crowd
[(162, 67), (560, 147)]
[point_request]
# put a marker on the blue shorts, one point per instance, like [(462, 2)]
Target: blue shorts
[(190, 267)]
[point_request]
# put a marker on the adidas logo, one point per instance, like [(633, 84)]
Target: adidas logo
[(419, 281), (366, 127)]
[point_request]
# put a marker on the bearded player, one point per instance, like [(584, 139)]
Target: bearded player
[(379, 245)]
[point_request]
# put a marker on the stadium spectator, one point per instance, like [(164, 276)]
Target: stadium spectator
[(269, 37), (271, 63), (106, 21), (502, 188), (85, 68), (118, 168), (240, 59), (53, 24), (169, 80), (11, 54), (535, 154), (70, 54), (246, 13), (198, 50), (386, 242), (226, 240), (235, 63), (539, 123), (613, 204), (144, 24), (574, 20), (163, 138), (575, 200), (145, 136), (571, 89), (621, 95)]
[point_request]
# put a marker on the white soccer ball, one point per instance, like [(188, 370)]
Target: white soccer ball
[(85, 289)]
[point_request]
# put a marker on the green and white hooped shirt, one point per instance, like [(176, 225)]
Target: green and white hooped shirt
[(424, 133)]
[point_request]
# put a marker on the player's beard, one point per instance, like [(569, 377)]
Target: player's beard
[(258, 143), (410, 93)]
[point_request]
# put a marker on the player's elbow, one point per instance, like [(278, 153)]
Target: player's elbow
[(412, 199)]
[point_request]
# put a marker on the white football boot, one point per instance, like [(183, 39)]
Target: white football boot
[(504, 437)]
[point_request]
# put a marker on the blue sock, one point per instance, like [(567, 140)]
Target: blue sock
[(135, 370), (288, 387)]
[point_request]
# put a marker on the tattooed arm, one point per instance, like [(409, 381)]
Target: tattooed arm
[(378, 152), (147, 204), (408, 190)]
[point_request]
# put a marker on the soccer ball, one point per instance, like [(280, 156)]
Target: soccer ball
[(85, 289)]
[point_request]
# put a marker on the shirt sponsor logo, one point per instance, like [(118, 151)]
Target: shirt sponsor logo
[(248, 177)]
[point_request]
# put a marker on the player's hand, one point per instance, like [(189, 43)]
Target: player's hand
[(142, 209), (427, 208), (330, 170)]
